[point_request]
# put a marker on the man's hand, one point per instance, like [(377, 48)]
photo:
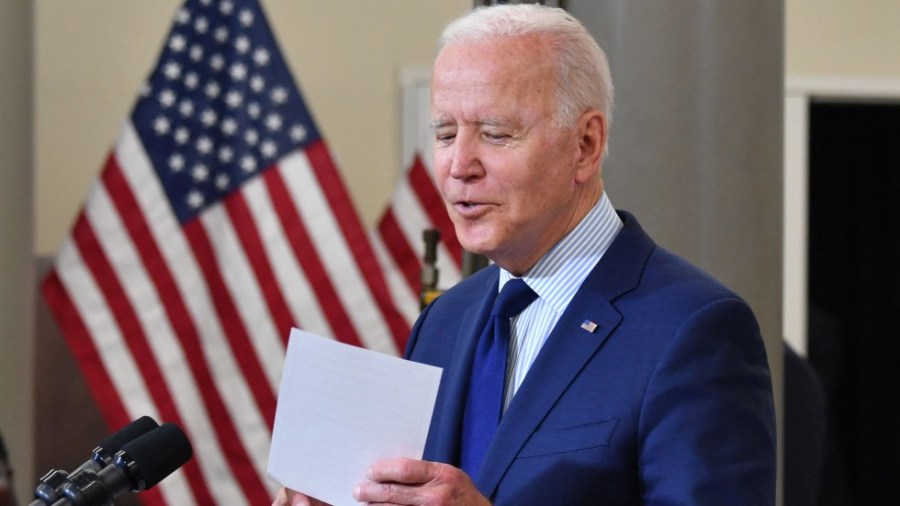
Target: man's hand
[(418, 482), (287, 497)]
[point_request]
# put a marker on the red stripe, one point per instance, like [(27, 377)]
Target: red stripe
[(248, 234), (303, 248), (404, 256), (433, 204), (237, 335), (357, 239), (183, 325), (86, 355), (117, 300)]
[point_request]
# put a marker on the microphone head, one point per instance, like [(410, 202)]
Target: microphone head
[(110, 445), (154, 455)]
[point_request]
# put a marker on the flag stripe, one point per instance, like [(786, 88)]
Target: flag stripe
[(222, 431), (433, 204), (246, 226), (291, 280), (305, 251), (225, 308), (244, 290), (357, 240), (403, 255)]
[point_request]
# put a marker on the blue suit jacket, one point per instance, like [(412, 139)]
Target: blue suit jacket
[(668, 401)]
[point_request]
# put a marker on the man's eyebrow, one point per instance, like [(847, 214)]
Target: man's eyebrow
[(439, 123), (491, 122)]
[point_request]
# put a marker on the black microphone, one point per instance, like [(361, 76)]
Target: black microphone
[(48, 490), (139, 465)]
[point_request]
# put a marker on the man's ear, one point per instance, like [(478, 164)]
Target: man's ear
[(592, 134)]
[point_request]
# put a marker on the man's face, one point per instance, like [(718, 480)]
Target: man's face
[(511, 179)]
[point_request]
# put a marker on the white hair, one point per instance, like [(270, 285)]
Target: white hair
[(582, 70)]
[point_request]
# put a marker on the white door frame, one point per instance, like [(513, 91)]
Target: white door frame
[(799, 92)]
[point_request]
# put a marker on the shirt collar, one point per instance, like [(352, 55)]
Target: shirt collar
[(559, 273)]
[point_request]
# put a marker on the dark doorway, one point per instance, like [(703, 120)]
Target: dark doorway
[(854, 291)]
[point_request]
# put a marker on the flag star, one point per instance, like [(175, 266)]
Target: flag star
[(261, 57), (176, 162), (205, 2), (248, 164), (226, 154), (195, 199), (257, 83), (191, 80), (172, 70), (253, 110), (246, 17), (167, 98), (273, 122), (221, 34), (251, 137), (242, 44), (208, 118), (161, 125), (234, 99), (238, 71), (279, 95), (268, 148), (196, 52), (182, 135), (200, 172), (182, 16), (212, 89), (177, 43), (186, 108), (222, 182), (201, 25), (226, 7), (298, 133), (216, 62), (204, 145), (229, 126)]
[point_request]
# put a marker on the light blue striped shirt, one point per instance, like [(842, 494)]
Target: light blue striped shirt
[(555, 278)]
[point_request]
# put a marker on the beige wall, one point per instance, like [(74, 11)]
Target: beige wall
[(346, 57), (843, 38), (16, 278)]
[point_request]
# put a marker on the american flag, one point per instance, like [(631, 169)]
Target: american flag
[(218, 222), (416, 205)]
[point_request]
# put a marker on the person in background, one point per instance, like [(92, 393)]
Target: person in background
[(629, 376), (7, 495)]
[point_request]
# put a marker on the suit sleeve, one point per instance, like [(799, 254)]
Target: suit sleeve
[(707, 423)]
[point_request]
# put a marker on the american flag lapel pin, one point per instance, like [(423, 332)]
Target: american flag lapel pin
[(589, 326)]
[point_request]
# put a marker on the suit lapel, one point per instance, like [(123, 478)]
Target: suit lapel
[(568, 349)]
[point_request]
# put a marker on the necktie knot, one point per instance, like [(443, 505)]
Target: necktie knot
[(515, 296)]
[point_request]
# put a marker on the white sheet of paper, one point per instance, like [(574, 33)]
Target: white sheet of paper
[(340, 409)]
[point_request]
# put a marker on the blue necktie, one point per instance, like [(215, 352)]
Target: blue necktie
[(486, 384)]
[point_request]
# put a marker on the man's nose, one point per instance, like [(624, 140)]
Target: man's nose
[(466, 163)]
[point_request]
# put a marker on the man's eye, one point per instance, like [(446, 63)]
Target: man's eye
[(445, 138), (496, 136)]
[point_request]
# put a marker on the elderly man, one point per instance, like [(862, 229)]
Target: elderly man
[(623, 375)]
